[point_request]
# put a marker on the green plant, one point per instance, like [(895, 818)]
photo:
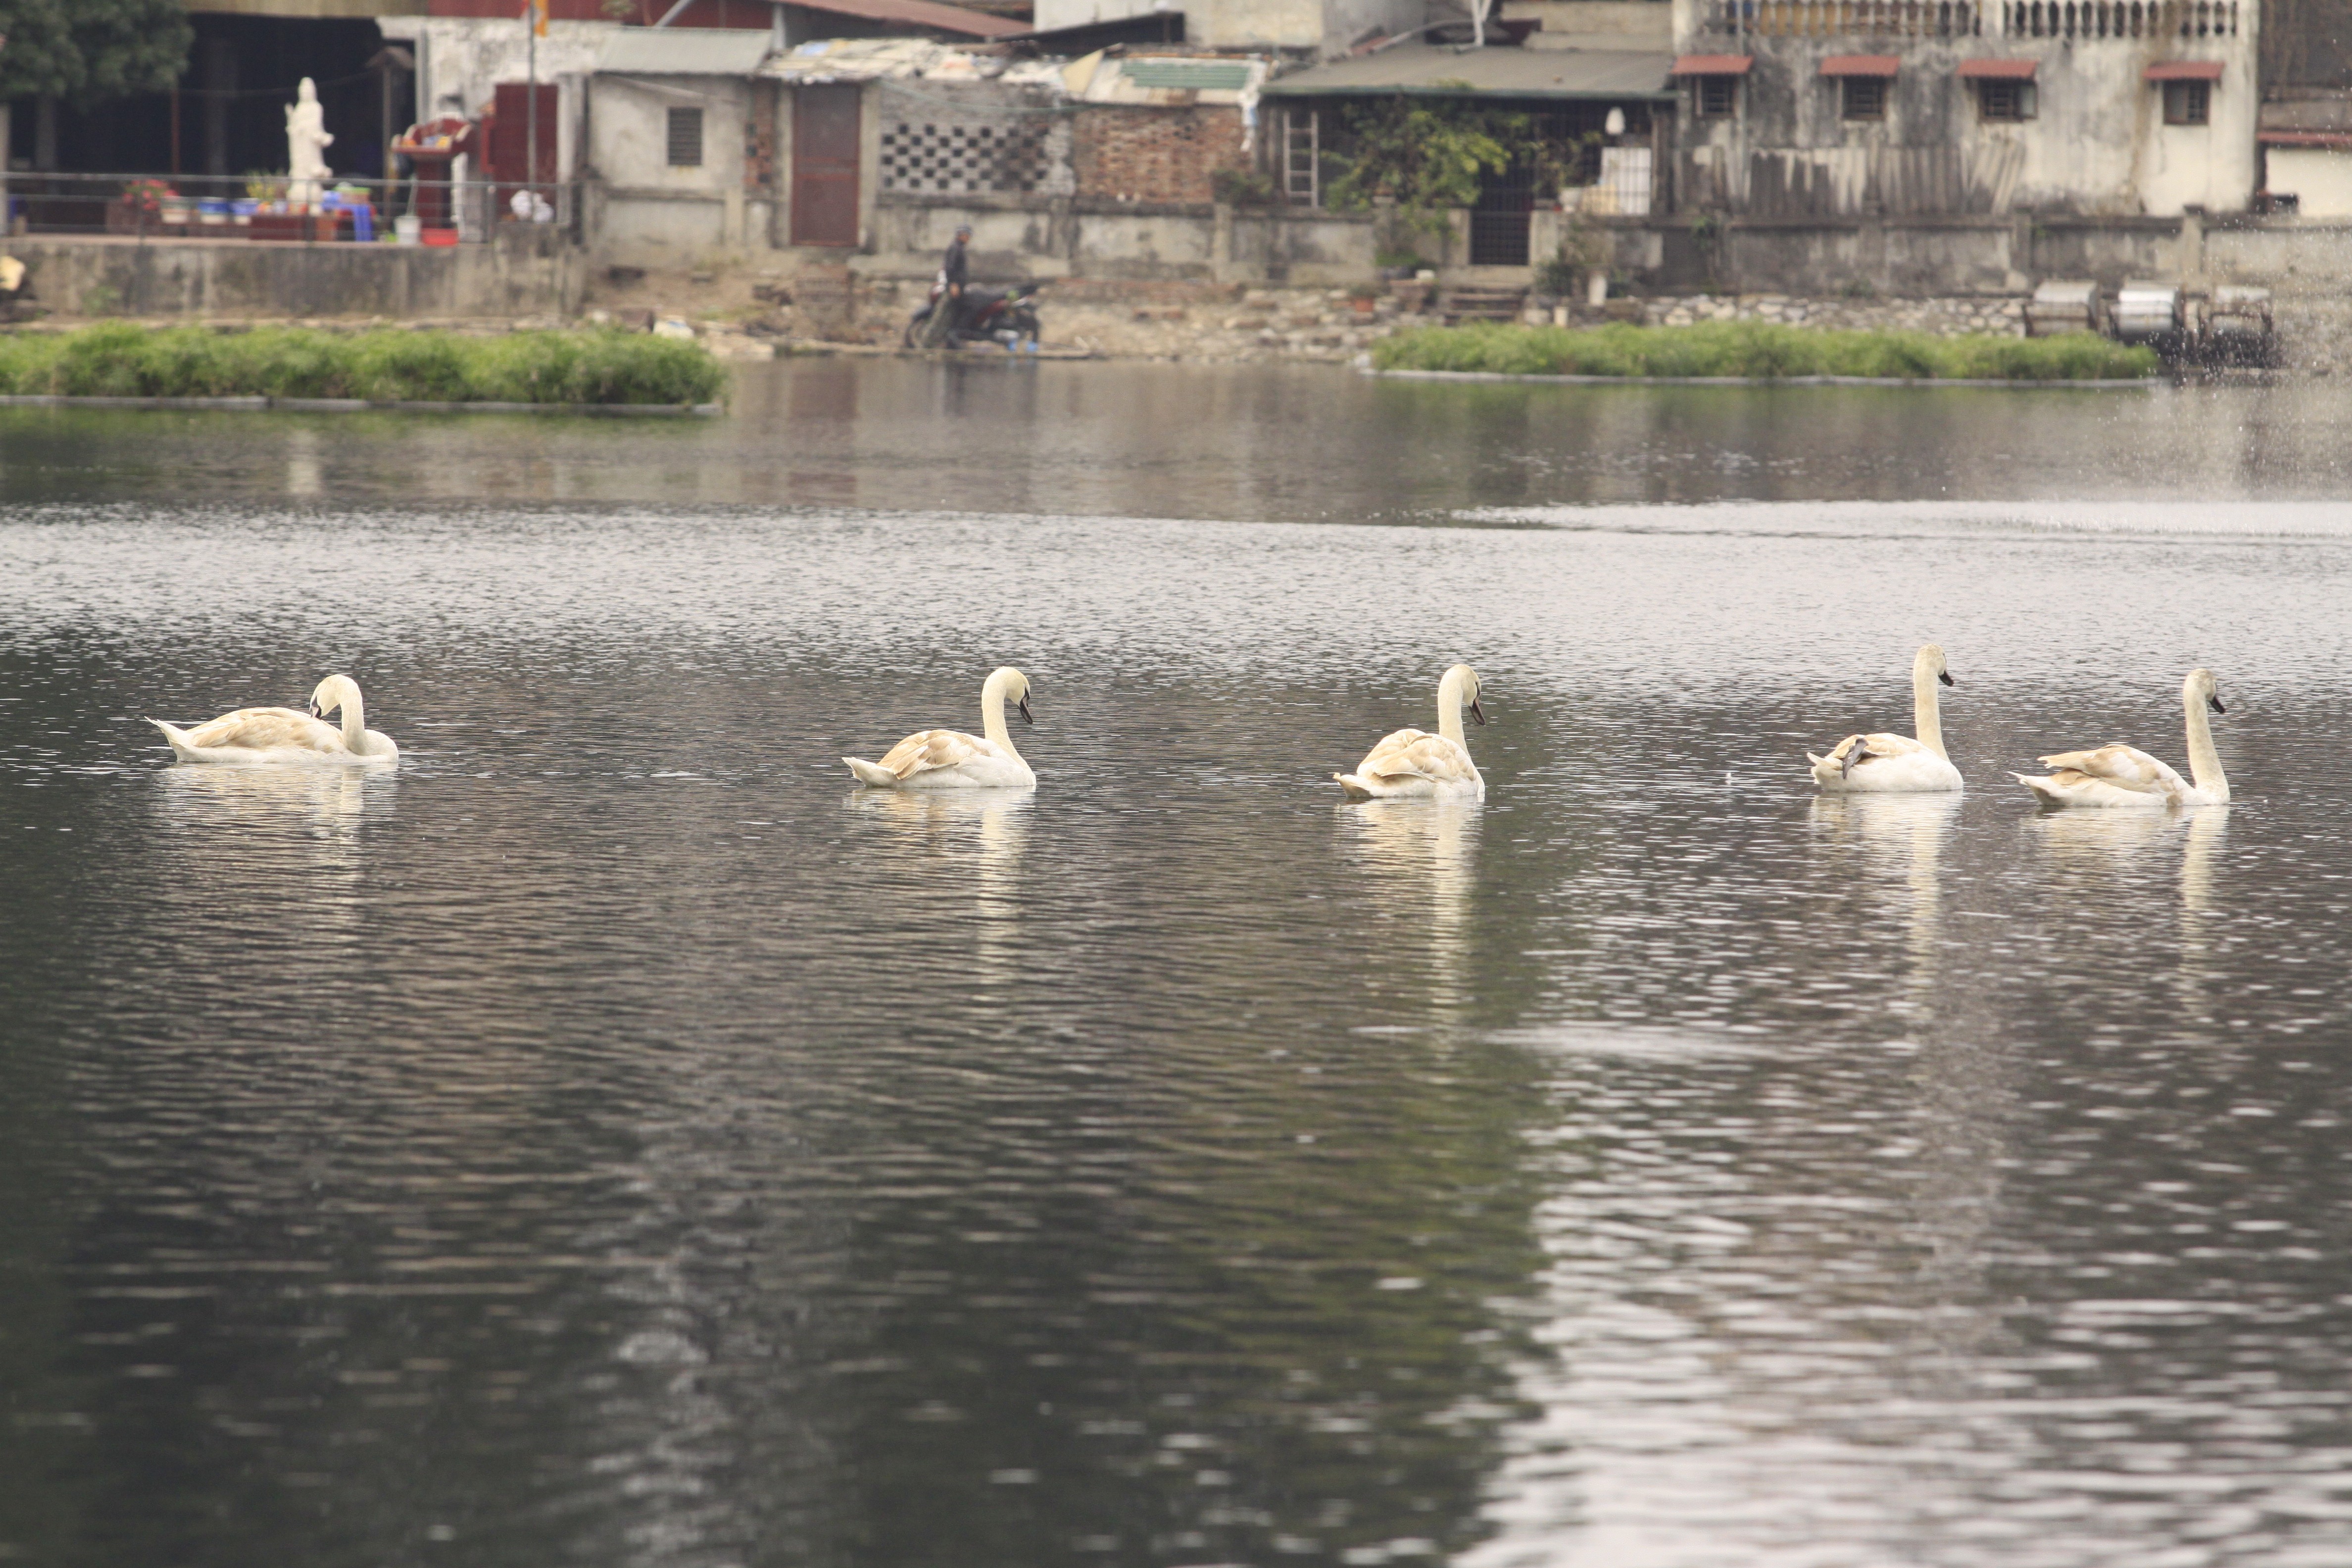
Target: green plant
[(147, 195), (1858, 288), (119, 359), (1242, 187), (101, 299), (1559, 278), (1392, 257), (1431, 155), (1758, 350), (261, 185)]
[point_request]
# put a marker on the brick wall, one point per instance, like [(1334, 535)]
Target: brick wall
[(1153, 155)]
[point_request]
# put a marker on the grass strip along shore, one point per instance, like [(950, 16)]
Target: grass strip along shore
[(1760, 351), (119, 359)]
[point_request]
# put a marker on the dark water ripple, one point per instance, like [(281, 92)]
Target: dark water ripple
[(610, 1138)]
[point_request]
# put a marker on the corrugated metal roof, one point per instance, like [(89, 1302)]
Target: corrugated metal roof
[(1996, 70), (683, 51), (1862, 65), (1713, 65), (1214, 76), (927, 14), (1619, 74), (2184, 70)]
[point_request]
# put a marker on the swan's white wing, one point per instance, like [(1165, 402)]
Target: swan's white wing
[(2126, 767), (1415, 754), (1874, 748), (928, 749), (268, 729)]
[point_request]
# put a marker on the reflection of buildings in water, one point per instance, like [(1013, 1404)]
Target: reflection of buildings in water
[(1898, 840), (1421, 856), (304, 476), (980, 832)]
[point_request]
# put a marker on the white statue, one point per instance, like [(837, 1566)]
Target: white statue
[(306, 145)]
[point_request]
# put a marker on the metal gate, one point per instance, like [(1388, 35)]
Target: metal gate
[(825, 165)]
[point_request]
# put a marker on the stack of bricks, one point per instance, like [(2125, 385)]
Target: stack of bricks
[(1151, 154)]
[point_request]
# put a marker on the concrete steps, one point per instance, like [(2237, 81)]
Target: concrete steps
[(1458, 305)]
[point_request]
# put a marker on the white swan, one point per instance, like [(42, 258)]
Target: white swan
[(2127, 777), (253, 735), (1414, 763), (1891, 763), (950, 759)]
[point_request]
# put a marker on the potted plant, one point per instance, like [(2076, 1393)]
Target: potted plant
[(139, 208)]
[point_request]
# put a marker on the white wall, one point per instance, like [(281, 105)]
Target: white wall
[(470, 56), (651, 214), (2320, 176)]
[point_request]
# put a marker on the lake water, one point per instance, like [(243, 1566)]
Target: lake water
[(611, 1138)]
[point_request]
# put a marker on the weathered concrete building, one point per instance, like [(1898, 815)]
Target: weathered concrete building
[(1816, 108)]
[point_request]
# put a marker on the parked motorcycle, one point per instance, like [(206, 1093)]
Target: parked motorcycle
[(1005, 317)]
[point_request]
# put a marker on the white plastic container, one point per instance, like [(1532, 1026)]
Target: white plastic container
[(408, 229)]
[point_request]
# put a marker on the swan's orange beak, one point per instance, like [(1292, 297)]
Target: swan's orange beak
[(1478, 712)]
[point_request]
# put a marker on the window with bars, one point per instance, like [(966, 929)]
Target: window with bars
[(2005, 100), (2188, 103), (686, 138), (1862, 98), (1718, 96)]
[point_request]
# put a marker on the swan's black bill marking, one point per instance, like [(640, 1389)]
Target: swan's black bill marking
[(317, 711), (1023, 708), (1945, 677), (2213, 701), (1478, 712)]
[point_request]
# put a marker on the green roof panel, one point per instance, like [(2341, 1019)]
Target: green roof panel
[(1200, 76)]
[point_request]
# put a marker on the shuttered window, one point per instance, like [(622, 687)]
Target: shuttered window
[(1864, 97), (686, 138)]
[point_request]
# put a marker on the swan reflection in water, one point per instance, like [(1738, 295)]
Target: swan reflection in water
[(1418, 862), (1892, 847), (976, 837), (2130, 849)]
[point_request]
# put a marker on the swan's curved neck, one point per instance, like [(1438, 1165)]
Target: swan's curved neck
[(2204, 759), (354, 720), (1926, 709), (1449, 708), (992, 713)]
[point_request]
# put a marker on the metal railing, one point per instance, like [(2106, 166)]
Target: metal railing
[(271, 207), (2070, 19)]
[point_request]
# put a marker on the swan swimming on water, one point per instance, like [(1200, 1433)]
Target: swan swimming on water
[(2120, 776), (950, 759), (1889, 764), (262, 735), (1414, 763)]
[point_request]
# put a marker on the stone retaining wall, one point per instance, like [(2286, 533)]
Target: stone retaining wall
[(1944, 317)]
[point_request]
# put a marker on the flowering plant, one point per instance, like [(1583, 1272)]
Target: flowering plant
[(148, 195)]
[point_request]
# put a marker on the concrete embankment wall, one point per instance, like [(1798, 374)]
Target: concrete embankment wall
[(1965, 255), (1030, 238), (524, 271)]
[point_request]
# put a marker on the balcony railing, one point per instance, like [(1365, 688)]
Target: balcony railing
[(341, 208), (2071, 19)]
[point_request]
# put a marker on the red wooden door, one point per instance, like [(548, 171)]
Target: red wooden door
[(825, 165), (510, 150)]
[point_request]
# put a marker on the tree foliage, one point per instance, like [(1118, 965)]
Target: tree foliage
[(92, 51), (1431, 155)]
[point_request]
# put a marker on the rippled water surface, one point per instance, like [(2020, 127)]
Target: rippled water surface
[(609, 1137)]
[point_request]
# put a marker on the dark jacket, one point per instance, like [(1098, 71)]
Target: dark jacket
[(956, 270)]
